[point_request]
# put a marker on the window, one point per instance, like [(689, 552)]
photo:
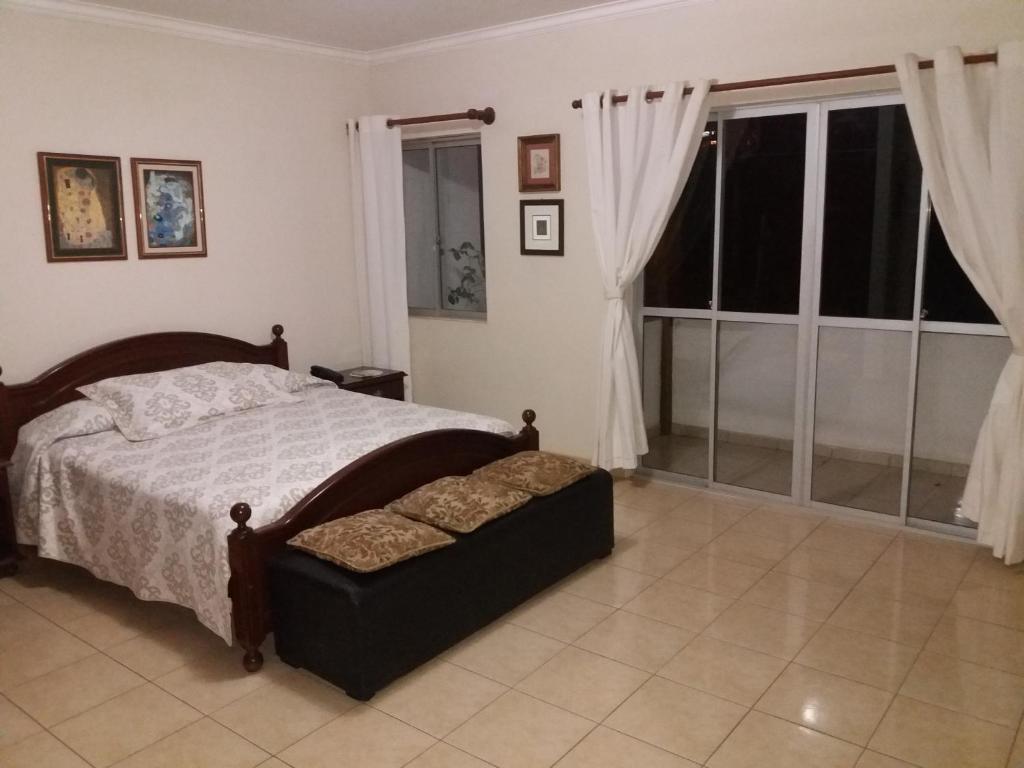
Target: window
[(444, 228)]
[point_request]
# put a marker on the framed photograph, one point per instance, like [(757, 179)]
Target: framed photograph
[(540, 228), (539, 164), (170, 219), (83, 208)]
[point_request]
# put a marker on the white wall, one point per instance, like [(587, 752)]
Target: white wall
[(539, 346), (268, 127)]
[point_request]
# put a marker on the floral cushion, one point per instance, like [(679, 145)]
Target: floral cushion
[(460, 504), (149, 405), (370, 541), (535, 472)]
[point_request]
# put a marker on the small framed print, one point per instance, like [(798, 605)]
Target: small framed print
[(539, 163), (540, 228), (83, 209), (170, 218)]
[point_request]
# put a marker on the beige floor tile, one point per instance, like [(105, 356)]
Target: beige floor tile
[(720, 512), (930, 553), (605, 748), (792, 594), (763, 629), (518, 731), (983, 692), (678, 604), (988, 571), (15, 725), (648, 557), (40, 751), (360, 738), (124, 619), (877, 760), (826, 703), (1017, 756), (651, 495), (891, 582), (18, 623), (987, 644), (780, 524), (583, 683), (73, 689), (723, 577), (443, 755), (438, 698), (833, 536), (680, 531), (909, 623), (934, 737), (504, 652), (164, 650), (203, 744), (824, 567), (308, 702), (213, 681), (272, 763), (682, 720), (635, 640), (560, 615), (872, 660), (723, 669), (124, 725), (629, 520), (749, 550), (996, 606), (608, 584), (762, 741), (39, 654)]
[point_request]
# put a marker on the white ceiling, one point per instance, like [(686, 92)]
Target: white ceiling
[(357, 25)]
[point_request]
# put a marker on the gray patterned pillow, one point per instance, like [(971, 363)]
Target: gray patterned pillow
[(149, 405), (370, 541), (536, 472), (460, 504)]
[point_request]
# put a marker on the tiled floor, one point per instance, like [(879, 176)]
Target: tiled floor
[(843, 482), (719, 633)]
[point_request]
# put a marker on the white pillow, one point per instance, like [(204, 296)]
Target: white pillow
[(149, 405)]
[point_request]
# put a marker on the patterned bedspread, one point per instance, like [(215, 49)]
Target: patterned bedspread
[(153, 515)]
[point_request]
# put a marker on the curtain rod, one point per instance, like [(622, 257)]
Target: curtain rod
[(837, 74), (485, 115)]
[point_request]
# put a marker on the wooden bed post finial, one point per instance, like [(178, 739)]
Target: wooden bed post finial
[(240, 513), (533, 436), (278, 331)]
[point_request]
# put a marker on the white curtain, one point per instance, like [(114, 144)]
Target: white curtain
[(639, 156), (968, 123), (378, 215)]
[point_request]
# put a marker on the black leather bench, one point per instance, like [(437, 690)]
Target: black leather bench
[(361, 631)]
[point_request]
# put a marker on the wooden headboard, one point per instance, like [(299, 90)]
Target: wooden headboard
[(20, 403)]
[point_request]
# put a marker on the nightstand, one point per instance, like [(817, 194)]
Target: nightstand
[(388, 384), (8, 543)]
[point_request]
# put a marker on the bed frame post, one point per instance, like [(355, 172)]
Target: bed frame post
[(247, 587), (529, 433)]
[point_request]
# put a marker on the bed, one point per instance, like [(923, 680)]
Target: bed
[(217, 522)]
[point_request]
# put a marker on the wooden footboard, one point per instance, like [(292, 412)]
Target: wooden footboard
[(370, 482)]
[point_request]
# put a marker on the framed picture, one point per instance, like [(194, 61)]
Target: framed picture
[(170, 219), (539, 165), (83, 209), (540, 228)]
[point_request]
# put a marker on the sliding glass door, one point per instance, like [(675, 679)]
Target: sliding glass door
[(806, 332)]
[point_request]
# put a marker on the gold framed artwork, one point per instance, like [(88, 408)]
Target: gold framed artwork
[(170, 218), (539, 163), (83, 207)]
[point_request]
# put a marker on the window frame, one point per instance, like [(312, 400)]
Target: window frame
[(432, 144)]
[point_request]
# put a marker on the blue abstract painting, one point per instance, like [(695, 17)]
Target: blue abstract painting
[(170, 209)]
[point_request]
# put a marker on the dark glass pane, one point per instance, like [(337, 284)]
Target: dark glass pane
[(872, 206), (949, 296), (679, 272), (762, 213)]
